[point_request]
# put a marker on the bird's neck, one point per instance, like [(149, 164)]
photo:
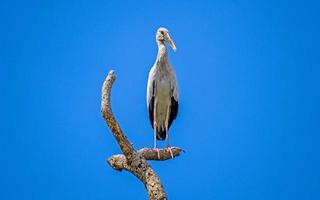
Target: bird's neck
[(162, 56)]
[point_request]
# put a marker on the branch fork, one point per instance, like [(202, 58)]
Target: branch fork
[(132, 160)]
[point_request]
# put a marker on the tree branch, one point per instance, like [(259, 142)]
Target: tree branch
[(107, 114), (131, 160), (164, 154)]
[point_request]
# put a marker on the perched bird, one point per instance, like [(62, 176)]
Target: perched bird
[(162, 90)]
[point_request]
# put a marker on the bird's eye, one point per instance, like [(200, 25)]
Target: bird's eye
[(162, 32)]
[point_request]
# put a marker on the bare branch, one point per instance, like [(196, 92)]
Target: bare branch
[(131, 160), (119, 162), (152, 154), (106, 111)]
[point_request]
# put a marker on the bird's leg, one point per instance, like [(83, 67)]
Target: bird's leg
[(155, 127), (154, 135), (167, 141), (155, 139), (167, 132)]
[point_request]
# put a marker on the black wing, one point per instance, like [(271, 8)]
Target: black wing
[(151, 105), (173, 110)]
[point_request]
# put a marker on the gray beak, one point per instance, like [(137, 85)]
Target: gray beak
[(170, 42)]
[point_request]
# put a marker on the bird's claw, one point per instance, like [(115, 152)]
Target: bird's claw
[(170, 150), (158, 153)]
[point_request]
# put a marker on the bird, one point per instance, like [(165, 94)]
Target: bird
[(162, 90)]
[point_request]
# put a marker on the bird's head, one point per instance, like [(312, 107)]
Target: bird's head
[(163, 35)]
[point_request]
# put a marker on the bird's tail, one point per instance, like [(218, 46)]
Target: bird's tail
[(161, 133)]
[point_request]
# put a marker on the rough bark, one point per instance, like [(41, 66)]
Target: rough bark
[(131, 160)]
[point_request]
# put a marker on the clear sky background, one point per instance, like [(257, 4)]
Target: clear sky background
[(249, 98)]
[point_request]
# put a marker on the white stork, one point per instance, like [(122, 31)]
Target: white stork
[(162, 91)]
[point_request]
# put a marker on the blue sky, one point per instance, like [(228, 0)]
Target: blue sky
[(249, 98)]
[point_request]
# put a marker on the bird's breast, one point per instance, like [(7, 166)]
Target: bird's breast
[(163, 84), (163, 87), (162, 101)]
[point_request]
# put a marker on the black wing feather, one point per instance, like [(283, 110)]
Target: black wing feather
[(151, 107), (173, 110)]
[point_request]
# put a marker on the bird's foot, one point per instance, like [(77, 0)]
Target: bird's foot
[(158, 152), (170, 150)]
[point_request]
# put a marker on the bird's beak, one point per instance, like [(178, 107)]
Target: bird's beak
[(170, 42)]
